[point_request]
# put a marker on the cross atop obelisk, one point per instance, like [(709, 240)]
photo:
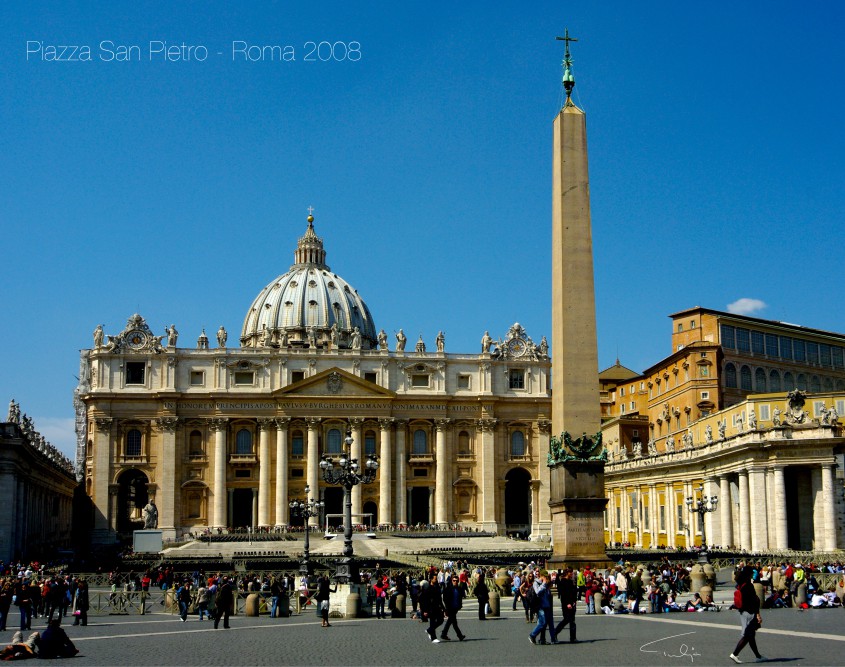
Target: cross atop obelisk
[(568, 78)]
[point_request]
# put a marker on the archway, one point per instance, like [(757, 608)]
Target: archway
[(131, 498), (418, 510), (372, 509), (241, 508), (333, 499), (518, 502)]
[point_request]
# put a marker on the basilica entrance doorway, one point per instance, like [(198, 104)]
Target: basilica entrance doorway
[(333, 498), (131, 498), (241, 508), (518, 502), (419, 505)]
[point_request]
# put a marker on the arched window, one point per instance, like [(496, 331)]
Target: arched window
[(333, 441), (815, 384), (827, 384), (243, 442), (463, 444), (745, 378), (195, 443), (133, 444), (760, 380), (774, 381), (730, 376), (788, 382), (369, 443), (517, 443), (297, 447), (420, 442), (802, 382)]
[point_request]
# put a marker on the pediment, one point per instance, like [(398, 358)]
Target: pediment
[(334, 383)]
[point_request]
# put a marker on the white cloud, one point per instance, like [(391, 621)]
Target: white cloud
[(746, 306), (59, 432)]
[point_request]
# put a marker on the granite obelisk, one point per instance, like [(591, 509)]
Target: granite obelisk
[(576, 455)]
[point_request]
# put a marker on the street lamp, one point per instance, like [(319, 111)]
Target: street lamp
[(306, 509), (346, 473), (701, 506)]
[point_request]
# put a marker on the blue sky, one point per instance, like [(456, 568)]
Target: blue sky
[(178, 189)]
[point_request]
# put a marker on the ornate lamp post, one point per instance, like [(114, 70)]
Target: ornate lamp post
[(306, 509), (346, 472), (701, 506)]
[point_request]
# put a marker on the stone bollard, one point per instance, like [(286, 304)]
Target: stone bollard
[(284, 606), (251, 605), (170, 603), (761, 593), (697, 578), (778, 580), (710, 575), (801, 595), (399, 606), (353, 604), (494, 603), (597, 597)]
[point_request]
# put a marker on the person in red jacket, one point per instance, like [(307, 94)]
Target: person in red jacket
[(749, 613)]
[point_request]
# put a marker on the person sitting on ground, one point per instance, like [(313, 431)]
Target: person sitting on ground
[(20, 649), (55, 643)]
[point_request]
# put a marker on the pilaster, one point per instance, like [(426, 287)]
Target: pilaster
[(488, 473)]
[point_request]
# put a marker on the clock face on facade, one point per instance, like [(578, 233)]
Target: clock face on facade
[(517, 347), (136, 339)]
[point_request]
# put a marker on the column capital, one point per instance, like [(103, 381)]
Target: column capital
[(442, 424), (486, 425), (218, 423), (400, 422), (356, 421), (544, 426), (103, 424), (385, 423), (313, 422), (282, 423), (167, 424), (266, 423)]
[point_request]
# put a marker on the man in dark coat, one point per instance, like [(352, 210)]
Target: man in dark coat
[(431, 605), (223, 604), (452, 602), (567, 593)]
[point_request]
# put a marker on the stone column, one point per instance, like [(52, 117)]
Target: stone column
[(114, 490), (355, 453), (817, 508), (264, 426), (401, 489), (671, 516), (312, 458), (487, 464), (282, 509), (829, 541), (653, 514), (725, 513), (542, 509), (102, 464), (779, 511), (759, 516), (431, 504), (254, 507), (385, 483), (744, 512), (441, 474), (712, 525), (168, 500), (219, 427)]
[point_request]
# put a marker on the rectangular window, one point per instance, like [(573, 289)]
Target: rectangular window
[(296, 447), (243, 473), (840, 407), (663, 518), (680, 327), (197, 378), (764, 412), (771, 345), (692, 324), (813, 353), (369, 444), (419, 380), (463, 382), (705, 395), (838, 357), (635, 433), (633, 406), (297, 376), (799, 350), (618, 516), (516, 378), (371, 377), (680, 516), (824, 355), (621, 391), (135, 372), (728, 336), (743, 340), (297, 472), (757, 342), (420, 472), (817, 408), (622, 408), (646, 525), (244, 377)]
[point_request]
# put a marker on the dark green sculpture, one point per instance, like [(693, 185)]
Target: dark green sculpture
[(564, 449)]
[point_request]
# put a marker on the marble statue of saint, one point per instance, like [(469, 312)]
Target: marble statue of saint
[(670, 443), (150, 515), (14, 412), (486, 342), (335, 336), (382, 340), (776, 417), (356, 339), (752, 419), (222, 337), (833, 415), (739, 423), (440, 341), (265, 336), (652, 447), (98, 337), (401, 339), (708, 434), (722, 426), (172, 336), (283, 338), (312, 337), (544, 347)]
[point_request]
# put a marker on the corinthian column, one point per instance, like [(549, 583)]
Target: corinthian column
[(170, 495), (264, 426), (219, 427), (829, 536), (744, 512), (282, 471), (488, 473), (102, 466), (357, 448), (542, 511), (312, 458), (779, 510), (441, 474), (401, 491), (385, 509), (725, 513)]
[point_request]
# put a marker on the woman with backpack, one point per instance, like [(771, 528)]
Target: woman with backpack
[(748, 605)]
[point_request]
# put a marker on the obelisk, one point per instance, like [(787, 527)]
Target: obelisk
[(576, 456)]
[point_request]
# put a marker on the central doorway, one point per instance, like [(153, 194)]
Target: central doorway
[(419, 502), (241, 508)]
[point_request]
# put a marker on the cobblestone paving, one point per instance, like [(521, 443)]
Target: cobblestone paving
[(813, 637)]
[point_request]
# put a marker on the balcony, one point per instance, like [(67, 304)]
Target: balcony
[(242, 459), (418, 458)]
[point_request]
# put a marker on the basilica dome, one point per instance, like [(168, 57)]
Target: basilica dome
[(309, 306)]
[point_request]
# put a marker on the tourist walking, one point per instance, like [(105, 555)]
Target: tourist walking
[(223, 602), (80, 606), (452, 603), (324, 591), (202, 601), (515, 584), (567, 593), (545, 614), (482, 594), (749, 614), (431, 605)]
